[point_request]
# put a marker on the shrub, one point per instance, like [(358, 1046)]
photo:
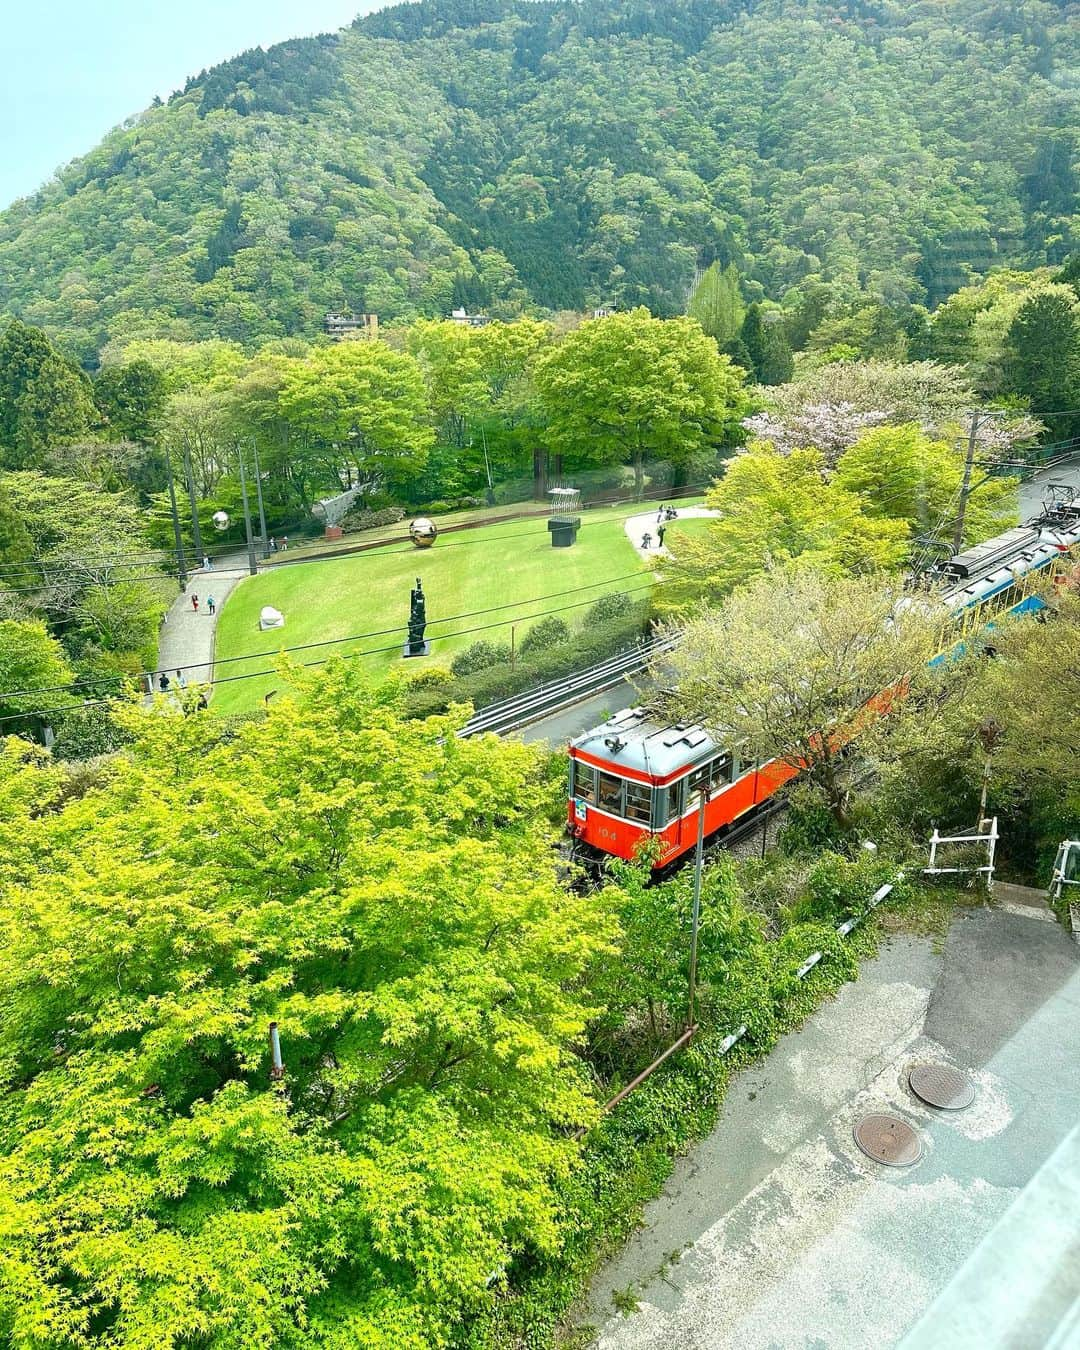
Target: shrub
[(489, 683), (837, 888), (433, 677), (608, 607), (547, 633), (365, 519), (480, 656)]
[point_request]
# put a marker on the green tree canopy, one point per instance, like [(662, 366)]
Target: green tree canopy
[(786, 663), (131, 398), (627, 387), (766, 343), (1042, 357), (777, 511), (717, 303), (900, 472), (368, 402), (44, 399), (30, 660), (385, 893)]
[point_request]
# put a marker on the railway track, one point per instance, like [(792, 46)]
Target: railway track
[(522, 710)]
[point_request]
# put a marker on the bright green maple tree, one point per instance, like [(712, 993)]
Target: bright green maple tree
[(902, 473), (382, 890), (779, 511), (629, 387)]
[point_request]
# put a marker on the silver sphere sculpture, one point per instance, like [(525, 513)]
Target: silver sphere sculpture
[(221, 520), (423, 532)]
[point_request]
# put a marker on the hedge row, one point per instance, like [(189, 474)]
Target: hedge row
[(366, 519), (433, 691)]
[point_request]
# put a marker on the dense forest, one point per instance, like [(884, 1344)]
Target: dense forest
[(523, 155)]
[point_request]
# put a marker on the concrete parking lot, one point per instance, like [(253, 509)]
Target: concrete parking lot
[(777, 1233)]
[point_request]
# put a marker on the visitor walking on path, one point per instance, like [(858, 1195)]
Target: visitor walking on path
[(646, 540), (661, 530), (163, 682), (181, 683), (195, 603), (186, 642), (284, 543), (210, 604), (208, 566)]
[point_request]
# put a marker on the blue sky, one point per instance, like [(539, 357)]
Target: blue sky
[(72, 69)]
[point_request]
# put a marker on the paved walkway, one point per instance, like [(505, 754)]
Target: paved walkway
[(637, 526), (1033, 491), (186, 641), (776, 1233)]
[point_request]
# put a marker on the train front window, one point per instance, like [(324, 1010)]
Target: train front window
[(670, 803), (639, 803), (611, 794), (584, 782)]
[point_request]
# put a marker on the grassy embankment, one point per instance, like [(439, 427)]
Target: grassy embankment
[(508, 564)]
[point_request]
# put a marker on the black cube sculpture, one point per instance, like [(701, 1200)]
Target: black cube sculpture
[(565, 518)]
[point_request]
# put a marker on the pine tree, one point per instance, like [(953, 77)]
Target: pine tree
[(767, 346), (1042, 357)]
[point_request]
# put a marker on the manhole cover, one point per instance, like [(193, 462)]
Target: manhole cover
[(889, 1140), (938, 1085)]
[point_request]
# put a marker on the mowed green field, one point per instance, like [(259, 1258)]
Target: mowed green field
[(512, 564)]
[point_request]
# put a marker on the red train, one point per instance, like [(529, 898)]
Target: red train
[(635, 779)]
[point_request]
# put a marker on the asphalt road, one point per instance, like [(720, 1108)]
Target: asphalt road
[(1033, 492), (776, 1233)]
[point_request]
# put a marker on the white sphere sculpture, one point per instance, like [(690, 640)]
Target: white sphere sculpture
[(221, 520)]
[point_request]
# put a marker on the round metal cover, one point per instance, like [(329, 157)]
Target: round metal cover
[(938, 1085), (888, 1140)]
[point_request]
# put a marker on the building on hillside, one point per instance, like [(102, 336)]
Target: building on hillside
[(340, 326), (468, 320), (602, 313)]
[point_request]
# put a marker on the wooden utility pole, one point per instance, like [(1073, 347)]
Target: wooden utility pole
[(978, 416), (695, 915)]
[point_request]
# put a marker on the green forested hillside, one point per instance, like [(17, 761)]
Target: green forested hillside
[(514, 154)]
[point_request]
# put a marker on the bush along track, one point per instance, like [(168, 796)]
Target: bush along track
[(773, 987), (483, 674)]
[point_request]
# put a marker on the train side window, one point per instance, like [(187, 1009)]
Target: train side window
[(717, 773), (672, 801), (639, 803), (584, 782), (611, 793)]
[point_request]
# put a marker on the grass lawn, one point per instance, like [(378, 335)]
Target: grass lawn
[(500, 565), (695, 528)]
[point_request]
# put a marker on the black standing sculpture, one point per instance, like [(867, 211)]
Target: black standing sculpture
[(416, 646)]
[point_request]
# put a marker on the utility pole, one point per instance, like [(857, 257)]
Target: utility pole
[(977, 416), (253, 566), (196, 533), (264, 541), (695, 915), (181, 566)]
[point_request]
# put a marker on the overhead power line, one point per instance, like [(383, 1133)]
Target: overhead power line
[(72, 685), (347, 656)]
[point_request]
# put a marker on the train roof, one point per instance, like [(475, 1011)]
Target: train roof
[(636, 739), (986, 568)]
